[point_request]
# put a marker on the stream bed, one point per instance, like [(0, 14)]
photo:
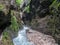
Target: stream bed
[(22, 39)]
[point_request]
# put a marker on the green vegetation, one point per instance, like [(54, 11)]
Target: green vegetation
[(55, 4), (18, 2), (27, 9), (14, 24), (1, 6), (6, 40)]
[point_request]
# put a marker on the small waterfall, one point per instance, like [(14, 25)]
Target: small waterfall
[(21, 39)]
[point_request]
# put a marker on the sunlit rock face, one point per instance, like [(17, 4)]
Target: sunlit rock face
[(21, 39)]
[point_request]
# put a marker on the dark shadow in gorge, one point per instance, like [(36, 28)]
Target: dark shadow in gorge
[(5, 20)]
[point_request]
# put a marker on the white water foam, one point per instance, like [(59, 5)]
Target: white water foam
[(21, 39)]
